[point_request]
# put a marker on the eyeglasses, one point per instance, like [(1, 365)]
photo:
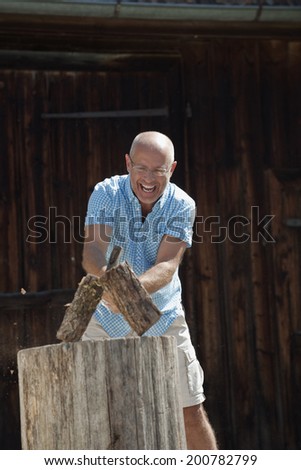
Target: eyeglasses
[(143, 170)]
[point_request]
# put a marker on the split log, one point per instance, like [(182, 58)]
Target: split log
[(131, 298), (81, 309), (108, 394)]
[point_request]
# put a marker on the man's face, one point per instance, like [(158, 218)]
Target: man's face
[(150, 171)]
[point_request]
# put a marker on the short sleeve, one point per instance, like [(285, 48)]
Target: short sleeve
[(180, 224), (98, 204)]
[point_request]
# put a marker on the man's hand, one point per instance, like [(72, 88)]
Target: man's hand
[(96, 243)]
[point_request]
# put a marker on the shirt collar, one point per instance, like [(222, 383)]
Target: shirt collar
[(128, 190)]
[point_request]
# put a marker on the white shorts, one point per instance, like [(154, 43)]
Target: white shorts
[(190, 371)]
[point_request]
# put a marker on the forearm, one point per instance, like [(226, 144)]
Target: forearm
[(169, 257), (158, 276)]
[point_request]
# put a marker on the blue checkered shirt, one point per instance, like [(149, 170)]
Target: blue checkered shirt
[(113, 203)]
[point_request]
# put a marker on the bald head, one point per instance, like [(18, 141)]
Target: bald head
[(154, 141)]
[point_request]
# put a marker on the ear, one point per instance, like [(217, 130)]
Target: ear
[(127, 162), (173, 167)]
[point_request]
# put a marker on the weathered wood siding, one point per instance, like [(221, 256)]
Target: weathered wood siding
[(244, 145), (234, 112), (50, 165)]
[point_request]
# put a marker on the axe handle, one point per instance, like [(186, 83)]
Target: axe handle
[(114, 257)]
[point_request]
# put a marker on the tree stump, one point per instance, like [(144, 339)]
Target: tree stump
[(108, 394)]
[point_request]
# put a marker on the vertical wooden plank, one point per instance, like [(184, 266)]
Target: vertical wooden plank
[(294, 104), (229, 201), (203, 300), (12, 273), (258, 320), (284, 294), (296, 386), (32, 170), (280, 71), (96, 157), (4, 182), (239, 163)]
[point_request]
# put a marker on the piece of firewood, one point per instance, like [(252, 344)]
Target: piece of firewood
[(131, 298), (81, 309)]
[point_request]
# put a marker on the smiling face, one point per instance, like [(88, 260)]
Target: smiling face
[(150, 165)]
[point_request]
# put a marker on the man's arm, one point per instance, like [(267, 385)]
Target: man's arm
[(169, 257), (97, 238)]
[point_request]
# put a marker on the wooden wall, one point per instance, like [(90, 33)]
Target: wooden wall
[(244, 147), (50, 163), (233, 109)]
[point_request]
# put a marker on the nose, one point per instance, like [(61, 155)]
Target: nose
[(149, 175)]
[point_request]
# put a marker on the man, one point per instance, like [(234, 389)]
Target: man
[(151, 219)]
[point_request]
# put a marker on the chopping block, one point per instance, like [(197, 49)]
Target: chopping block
[(112, 394)]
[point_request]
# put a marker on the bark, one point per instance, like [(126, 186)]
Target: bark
[(132, 300), (80, 311)]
